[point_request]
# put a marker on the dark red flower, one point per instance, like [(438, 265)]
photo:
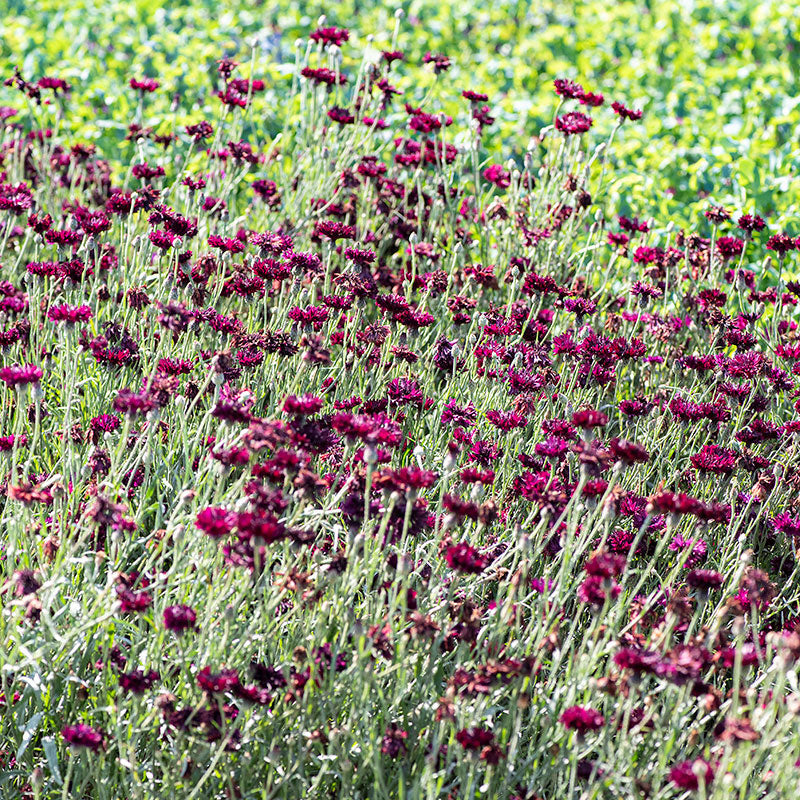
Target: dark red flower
[(704, 579), (217, 682), (573, 122), (582, 719), (394, 741), (628, 452), (605, 565), (474, 97), (440, 62), (625, 113), (636, 660), (179, 618), (716, 459), (332, 230), (751, 223), (341, 115), (688, 774), (138, 681), (570, 90), (330, 36), (591, 99), (781, 243), (589, 418), (302, 406), (474, 738), (463, 557)]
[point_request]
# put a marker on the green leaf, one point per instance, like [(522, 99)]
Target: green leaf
[(28, 732), (51, 754)]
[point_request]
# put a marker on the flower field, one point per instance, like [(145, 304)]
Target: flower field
[(399, 405)]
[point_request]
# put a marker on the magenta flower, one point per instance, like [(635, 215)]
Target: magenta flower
[(497, 175), (69, 314), (582, 719), (441, 62), (216, 522), (20, 375), (82, 735)]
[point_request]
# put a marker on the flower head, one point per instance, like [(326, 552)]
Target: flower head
[(82, 735), (573, 123), (582, 719), (179, 618)]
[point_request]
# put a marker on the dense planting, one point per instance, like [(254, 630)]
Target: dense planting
[(343, 457), (719, 79)]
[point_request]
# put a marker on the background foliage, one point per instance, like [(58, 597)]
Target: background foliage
[(718, 80)]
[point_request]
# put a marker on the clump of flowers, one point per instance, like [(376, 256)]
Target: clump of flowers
[(343, 435)]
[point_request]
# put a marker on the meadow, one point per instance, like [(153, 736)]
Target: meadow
[(399, 403)]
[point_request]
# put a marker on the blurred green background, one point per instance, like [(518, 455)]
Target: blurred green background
[(718, 81)]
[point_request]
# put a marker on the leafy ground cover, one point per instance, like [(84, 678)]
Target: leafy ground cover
[(718, 80), (362, 434)]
